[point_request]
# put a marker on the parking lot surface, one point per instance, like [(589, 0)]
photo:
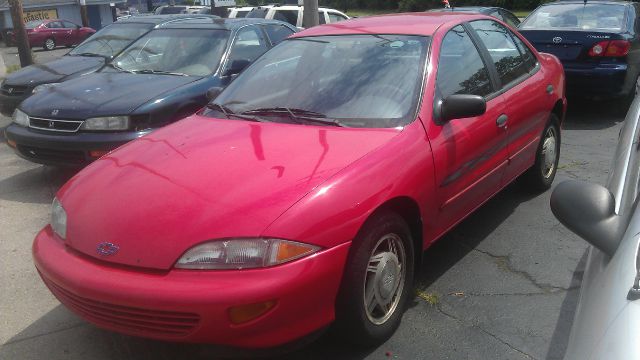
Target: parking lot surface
[(502, 285)]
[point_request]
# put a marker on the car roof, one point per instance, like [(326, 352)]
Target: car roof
[(289, 7), (214, 22), (418, 23), (162, 19), (480, 9)]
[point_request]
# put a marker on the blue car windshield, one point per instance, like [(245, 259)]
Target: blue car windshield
[(111, 40), (186, 52), (581, 17), (353, 80)]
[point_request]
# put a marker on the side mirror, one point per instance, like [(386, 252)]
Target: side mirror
[(461, 106), (213, 93), (588, 210), (236, 66)]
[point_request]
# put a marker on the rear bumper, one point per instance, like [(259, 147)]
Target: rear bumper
[(605, 81), (62, 149), (193, 305)]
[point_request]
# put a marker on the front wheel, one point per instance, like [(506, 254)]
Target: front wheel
[(540, 176), (377, 282), (49, 44)]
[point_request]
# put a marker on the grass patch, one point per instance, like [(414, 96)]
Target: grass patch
[(13, 68), (431, 298)]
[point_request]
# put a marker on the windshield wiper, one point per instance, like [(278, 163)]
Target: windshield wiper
[(228, 113), (297, 115), (113, 65), (149, 71), (88, 54)]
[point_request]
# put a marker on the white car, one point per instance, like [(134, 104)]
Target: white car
[(239, 12), (293, 14), (178, 9), (607, 320)]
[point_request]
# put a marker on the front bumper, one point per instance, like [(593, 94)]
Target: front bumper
[(192, 305), (602, 81), (64, 149)]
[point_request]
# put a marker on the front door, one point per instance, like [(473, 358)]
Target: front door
[(95, 20), (470, 154)]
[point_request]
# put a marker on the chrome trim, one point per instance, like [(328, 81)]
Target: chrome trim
[(78, 122)]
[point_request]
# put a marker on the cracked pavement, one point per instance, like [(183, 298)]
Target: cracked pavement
[(502, 285)]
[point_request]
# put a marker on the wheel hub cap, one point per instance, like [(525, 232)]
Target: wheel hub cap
[(549, 153)]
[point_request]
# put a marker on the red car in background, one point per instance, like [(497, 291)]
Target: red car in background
[(305, 193), (52, 33)]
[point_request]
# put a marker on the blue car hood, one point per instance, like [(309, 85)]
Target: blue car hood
[(102, 94), (54, 71)]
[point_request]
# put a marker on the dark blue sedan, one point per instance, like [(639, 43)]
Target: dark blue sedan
[(160, 78), (596, 40)]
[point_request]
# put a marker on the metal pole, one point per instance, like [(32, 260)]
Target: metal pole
[(83, 13), (22, 42), (310, 14)]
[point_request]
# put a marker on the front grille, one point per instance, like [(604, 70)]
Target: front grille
[(14, 90), (127, 319), (54, 124), (62, 156)]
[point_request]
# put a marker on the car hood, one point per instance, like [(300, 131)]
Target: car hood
[(201, 179), (101, 94), (54, 71)]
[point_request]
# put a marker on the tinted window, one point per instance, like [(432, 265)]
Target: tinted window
[(504, 53), (259, 13), (290, 16), (460, 67), (110, 40), (54, 25), (249, 44), (510, 19), (321, 18), (587, 17), (277, 33), (528, 58), (69, 25), (333, 17), (361, 80), (241, 14)]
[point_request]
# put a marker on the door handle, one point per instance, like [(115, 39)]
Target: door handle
[(502, 120)]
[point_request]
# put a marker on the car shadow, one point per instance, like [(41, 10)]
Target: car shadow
[(35, 185), (586, 114), (560, 337)]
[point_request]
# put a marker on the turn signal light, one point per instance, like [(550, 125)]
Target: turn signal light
[(610, 48), (12, 143), (244, 313)]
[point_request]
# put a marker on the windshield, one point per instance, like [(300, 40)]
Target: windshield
[(33, 24), (111, 40), (189, 52), (354, 80), (588, 17)]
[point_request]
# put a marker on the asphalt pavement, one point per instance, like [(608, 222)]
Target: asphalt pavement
[(502, 285)]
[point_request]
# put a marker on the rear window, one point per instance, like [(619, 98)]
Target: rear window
[(587, 17), (258, 13), (171, 10)]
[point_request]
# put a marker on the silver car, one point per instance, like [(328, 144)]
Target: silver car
[(607, 320)]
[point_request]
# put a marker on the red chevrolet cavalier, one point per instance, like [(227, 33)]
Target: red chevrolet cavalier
[(305, 193)]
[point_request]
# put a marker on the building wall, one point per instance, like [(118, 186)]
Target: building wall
[(66, 12)]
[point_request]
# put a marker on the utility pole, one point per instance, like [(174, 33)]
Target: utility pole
[(310, 14), (83, 13), (22, 42)]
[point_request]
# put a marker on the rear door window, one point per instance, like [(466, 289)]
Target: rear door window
[(460, 67), (321, 18), (258, 13), (70, 25), (277, 33), (290, 16), (505, 55), (335, 17)]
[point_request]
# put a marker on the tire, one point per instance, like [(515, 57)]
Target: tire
[(372, 269), (49, 44), (540, 176)]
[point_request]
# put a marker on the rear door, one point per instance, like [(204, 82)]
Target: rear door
[(72, 33), (56, 31), (523, 89), (469, 154)]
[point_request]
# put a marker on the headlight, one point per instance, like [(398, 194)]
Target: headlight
[(106, 123), (43, 87), (20, 118), (58, 219), (243, 254)]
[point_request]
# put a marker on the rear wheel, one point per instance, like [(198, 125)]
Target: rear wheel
[(540, 176), (49, 44), (377, 282)]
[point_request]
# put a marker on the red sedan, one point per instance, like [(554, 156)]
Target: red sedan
[(305, 193), (52, 33)]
